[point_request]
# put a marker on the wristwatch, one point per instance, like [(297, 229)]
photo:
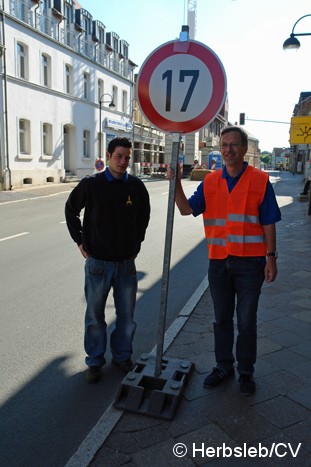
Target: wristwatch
[(273, 253)]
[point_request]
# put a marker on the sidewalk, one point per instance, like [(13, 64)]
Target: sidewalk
[(278, 416)]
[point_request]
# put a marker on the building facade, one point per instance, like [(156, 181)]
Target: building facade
[(61, 70)]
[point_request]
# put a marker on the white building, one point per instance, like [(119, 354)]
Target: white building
[(60, 70)]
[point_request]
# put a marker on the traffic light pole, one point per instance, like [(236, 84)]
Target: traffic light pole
[(243, 118)]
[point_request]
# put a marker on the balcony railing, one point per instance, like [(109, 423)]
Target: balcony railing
[(47, 24), (20, 9)]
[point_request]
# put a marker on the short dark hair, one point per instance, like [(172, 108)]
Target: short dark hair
[(242, 133), (119, 141)]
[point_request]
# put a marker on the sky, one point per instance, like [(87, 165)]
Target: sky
[(263, 81)]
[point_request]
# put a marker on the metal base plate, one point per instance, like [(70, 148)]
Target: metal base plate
[(143, 392)]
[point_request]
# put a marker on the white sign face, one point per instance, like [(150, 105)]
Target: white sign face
[(181, 87)]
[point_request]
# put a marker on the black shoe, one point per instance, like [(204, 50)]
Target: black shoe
[(247, 385), (93, 374), (217, 377), (125, 366)]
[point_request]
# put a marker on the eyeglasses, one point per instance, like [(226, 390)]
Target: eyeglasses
[(230, 145)]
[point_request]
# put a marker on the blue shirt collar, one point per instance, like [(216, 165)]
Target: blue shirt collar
[(111, 178), (226, 175)]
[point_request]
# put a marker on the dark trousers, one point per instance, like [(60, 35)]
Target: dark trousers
[(235, 283)]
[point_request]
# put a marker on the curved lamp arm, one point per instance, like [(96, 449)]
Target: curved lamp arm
[(292, 42), (300, 34)]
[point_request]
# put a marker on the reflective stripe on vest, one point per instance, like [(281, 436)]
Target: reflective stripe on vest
[(245, 238)]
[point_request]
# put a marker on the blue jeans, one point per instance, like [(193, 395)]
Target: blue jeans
[(236, 282), (100, 277)]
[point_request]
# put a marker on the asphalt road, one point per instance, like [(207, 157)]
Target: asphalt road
[(47, 408)]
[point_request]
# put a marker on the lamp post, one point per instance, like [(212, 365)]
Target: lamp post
[(292, 42), (111, 106)]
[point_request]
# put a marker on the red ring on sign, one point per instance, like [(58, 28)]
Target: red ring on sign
[(204, 166), (216, 70)]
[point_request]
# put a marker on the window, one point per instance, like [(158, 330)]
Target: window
[(115, 95), (22, 57), (115, 43), (86, 85), (46, 139), (124, 102), (24, 136), (68, 79), (86, 144), (101, 50), (100, 89), (22, 11), (68, 24), (46, 70)]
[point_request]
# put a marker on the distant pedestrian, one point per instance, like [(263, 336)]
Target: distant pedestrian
[(116, 216), (240, 211)]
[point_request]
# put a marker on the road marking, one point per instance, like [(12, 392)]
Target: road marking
[(13, 236), (98, 435), (34, 198)]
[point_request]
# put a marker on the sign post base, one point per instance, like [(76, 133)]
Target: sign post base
[(157, 396)]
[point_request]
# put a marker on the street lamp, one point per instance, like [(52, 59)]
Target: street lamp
[(111, 106), (292, 42)]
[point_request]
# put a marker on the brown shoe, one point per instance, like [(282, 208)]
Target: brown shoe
[(93, 374)]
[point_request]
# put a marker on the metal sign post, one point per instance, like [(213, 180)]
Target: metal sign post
[(167, 255)]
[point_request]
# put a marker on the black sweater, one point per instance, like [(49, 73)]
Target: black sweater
[(115, 219)]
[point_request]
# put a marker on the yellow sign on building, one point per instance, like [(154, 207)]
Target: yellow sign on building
[(300, 130)]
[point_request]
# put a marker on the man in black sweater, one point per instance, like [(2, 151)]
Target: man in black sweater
[(116, 215)]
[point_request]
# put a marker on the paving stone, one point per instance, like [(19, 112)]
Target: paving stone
[(189, 417), (282, 382), (267, 328), (137, 422), (247, 426), (284, 359), (116, 458), (287, 338), (302, 370), (266, 346), (300, 433), (282, 412), (198, 441), (194, 388), (294, 325), (270, 314), (160, 454), (303, 396), (204, 362), (304, 292), (122, 442), (304, 315), (304, 348)]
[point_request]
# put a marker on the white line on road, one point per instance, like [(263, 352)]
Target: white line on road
[(13, 236), (34, 198)]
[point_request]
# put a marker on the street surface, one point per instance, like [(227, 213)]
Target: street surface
[(47, 408)]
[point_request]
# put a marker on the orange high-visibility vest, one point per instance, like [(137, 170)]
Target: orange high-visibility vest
[(231, 220)]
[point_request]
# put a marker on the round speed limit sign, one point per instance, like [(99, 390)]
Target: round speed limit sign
[(181, 86)]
